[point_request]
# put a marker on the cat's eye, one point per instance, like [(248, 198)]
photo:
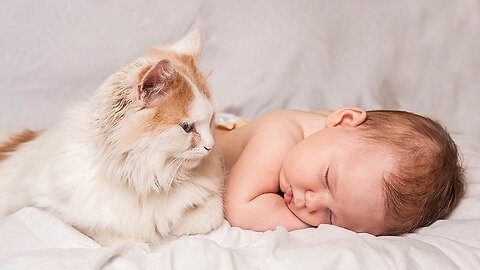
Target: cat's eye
[(187, 127)]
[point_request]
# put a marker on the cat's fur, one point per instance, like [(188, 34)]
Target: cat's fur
[(120, 167)]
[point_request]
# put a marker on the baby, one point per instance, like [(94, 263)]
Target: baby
[(380, 172)]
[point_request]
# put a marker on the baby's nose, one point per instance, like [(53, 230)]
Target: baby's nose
[(312, 201)]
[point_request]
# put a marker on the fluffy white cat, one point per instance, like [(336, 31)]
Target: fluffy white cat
[(135, 163)]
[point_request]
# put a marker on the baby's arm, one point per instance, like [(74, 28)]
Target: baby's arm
[(251, 199)]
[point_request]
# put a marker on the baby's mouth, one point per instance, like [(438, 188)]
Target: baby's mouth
[(288, 196)]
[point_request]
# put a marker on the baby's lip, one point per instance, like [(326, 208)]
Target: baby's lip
[(288, 195)]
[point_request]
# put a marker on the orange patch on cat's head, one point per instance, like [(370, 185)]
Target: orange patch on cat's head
[(175, 106), (173, 109)]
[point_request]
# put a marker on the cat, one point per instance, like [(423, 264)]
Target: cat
[(133, 164)]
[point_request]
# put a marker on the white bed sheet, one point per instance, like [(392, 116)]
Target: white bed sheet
[(422, 56)]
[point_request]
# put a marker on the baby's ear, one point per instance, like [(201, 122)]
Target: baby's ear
[(155, 83), (190, 44), (346, 116)]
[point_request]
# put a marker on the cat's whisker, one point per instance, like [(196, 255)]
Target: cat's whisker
[(167, 168), (177, 162), (155, 181), (178, 167)]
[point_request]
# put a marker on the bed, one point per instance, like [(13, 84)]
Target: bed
[(420, 56)]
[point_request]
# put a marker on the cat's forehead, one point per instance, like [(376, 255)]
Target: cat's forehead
[(201, 108)]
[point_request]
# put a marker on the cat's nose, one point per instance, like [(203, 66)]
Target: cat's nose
[(208, 146)]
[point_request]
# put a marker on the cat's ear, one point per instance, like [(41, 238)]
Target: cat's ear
[(191, 44), (207, 75), (155, 82)]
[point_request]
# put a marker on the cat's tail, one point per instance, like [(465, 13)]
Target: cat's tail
[(12, 196), (11, 144)]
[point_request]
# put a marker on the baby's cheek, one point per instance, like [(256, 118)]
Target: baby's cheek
[(301, 215), (283, 184), (313, 219)]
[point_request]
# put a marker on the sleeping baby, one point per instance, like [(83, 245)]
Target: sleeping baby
[(380, 172)]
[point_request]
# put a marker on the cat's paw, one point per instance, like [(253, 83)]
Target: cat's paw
[(201, 219)]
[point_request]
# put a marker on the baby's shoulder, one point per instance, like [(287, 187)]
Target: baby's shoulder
[(299, 124), (277, 124), (271, 135)]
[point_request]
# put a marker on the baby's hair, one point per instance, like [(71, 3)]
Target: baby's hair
[(427, 182)]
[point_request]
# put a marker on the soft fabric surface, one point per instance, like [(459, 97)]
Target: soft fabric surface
[(421, 56)]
